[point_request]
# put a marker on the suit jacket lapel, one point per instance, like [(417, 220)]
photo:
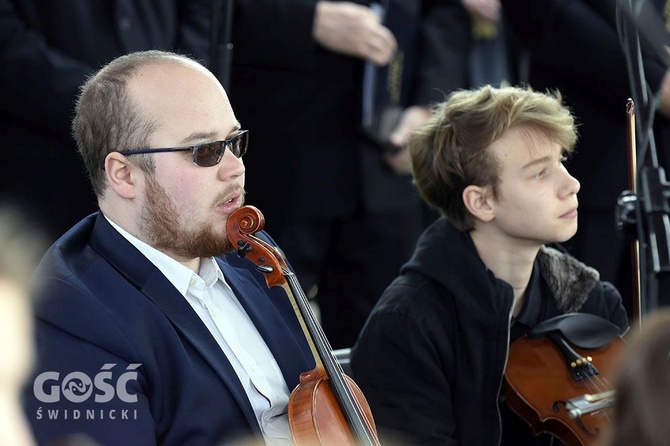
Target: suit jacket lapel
[(283, 336), (152, 283)]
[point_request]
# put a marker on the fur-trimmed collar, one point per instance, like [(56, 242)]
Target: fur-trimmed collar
[(569, 280)]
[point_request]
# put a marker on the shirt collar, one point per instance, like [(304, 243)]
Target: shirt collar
[(178, 274), (210, 271)]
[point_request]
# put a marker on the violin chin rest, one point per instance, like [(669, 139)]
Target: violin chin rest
[(583, 330)]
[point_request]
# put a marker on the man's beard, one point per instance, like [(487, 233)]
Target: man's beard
[(159, 222)]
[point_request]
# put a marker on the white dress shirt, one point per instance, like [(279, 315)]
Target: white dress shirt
[(217, 306)]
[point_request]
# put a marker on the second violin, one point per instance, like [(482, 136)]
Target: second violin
[(558, 376)]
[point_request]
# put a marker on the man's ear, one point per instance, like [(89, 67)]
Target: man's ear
[(121, 175), (477, 201)]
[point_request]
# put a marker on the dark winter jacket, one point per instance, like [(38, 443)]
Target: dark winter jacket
[(431, 357)]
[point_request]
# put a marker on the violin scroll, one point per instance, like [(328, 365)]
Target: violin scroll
[(242, 223), (246, 220)]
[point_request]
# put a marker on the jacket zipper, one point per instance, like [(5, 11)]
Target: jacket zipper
[(502, 377)]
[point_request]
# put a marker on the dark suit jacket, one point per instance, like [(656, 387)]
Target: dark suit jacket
[(303, 104), (104, 310), (47, 49)]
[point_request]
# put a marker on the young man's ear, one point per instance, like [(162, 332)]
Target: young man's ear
[(477, 201), (121, 175)]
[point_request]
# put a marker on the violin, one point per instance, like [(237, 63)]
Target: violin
[(558, 377), (326, 407)]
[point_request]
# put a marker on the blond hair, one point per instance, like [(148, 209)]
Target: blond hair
[(450, 152)]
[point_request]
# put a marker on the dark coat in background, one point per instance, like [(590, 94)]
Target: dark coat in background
[(328, 196), (47, 49), (303, 102)]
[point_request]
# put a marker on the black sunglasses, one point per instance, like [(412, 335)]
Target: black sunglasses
[(207, 154)]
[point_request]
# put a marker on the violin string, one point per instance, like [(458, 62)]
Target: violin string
[(349, 404), (604, 386), (303, 303), (337, 377), (586, 373), (597, 384), (359, 425), (316, 327)]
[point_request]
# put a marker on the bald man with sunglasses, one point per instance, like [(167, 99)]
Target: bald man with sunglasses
[(150, 329)]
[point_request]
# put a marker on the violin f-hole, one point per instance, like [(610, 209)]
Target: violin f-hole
[(578, 420)]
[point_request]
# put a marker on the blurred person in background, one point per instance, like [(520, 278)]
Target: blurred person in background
[(643, 386), (21, 244), (47, 50)]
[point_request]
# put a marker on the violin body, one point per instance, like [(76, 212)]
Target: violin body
[(315, 414), (539, 383)]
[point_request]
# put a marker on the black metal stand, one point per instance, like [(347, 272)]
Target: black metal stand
[(650, 206)]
